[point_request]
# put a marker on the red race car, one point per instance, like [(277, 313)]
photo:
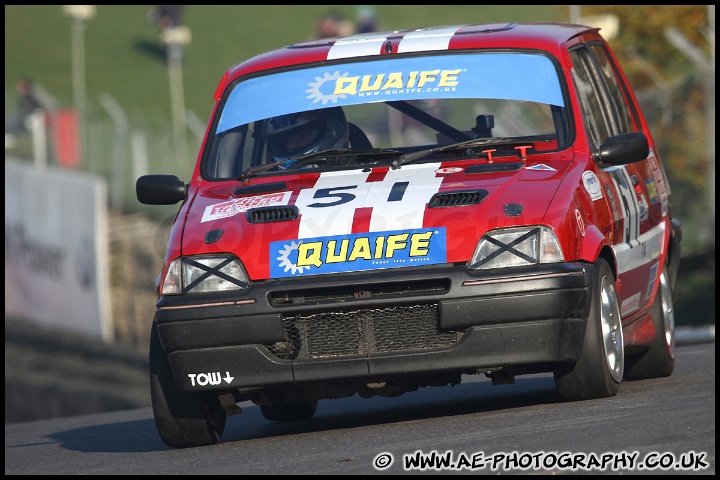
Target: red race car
[(382, 212)]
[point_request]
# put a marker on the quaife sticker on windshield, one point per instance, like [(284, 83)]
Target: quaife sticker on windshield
[(495, 75), (364, 251)]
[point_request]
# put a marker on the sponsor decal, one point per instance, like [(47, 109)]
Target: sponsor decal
[(446, 170), (355, 252), (651, 280), (397, 80), (662, 188), (392, 79), (581, 224), (240, 205), (652, 190), (630, 305), (592, 185), (541, 166), (394, 83)]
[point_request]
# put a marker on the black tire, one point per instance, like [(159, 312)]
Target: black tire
[(182, 419), (599, 371), (289, 412), (659, 359)]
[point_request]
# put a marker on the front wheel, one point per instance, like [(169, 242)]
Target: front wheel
[(599, 370), (659, 359), (182, 419)]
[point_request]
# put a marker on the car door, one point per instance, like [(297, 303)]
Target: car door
[(635, 193)]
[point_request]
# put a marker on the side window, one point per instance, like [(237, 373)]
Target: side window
[(232, 152), (597, 121), (625, 121), (226, 149)]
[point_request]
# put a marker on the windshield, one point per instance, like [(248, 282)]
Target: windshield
[(366, 112)]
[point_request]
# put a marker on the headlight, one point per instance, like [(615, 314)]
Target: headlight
[(515, 247), (201, 274)]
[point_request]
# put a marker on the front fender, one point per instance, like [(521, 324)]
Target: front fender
[(592, 243)]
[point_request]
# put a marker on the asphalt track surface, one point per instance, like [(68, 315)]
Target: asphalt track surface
[(674, 415), (54, 373)]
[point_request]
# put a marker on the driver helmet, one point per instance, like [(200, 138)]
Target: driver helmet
[(296, 134)]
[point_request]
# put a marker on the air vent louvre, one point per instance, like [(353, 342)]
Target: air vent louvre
[(272, 214), (456, 199)]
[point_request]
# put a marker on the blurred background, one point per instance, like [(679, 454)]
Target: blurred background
[(108, 93)]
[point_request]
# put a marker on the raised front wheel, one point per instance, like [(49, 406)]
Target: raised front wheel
[(599, 370), (182, 419)]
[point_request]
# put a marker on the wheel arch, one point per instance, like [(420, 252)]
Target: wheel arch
[(595, 245), (607, 253)]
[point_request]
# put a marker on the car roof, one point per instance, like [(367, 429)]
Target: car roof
[(550, 37)]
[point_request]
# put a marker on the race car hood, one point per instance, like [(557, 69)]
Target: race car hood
[(351, 220)]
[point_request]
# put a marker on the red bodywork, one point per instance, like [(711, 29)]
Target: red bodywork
[(556, 198)]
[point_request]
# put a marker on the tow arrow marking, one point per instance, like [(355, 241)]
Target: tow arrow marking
[(228, 378)]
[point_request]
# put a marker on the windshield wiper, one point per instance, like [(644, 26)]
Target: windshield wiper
[(345, 152), (323, 156), (468, 145), (252, 171)]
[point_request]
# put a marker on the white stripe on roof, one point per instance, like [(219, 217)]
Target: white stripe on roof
[(427, 39), (357, 46)]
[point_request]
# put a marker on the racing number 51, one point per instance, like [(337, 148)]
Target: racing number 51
[(396, 194)]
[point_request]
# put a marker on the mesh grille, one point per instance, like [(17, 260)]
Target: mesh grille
[(361, 332)]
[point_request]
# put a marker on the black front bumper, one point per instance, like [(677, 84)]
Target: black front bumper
[(494, 319)]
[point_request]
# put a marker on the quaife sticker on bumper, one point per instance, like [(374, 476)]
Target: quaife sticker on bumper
[(355, 252)]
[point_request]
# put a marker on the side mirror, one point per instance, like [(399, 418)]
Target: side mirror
[(160, 189), (623, 149)]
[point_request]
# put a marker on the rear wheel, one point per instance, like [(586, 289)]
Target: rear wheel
[(659, 359), (289, 412), (182, 419), (599, 370)]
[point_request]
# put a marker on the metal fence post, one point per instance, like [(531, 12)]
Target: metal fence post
[(119, 167)]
